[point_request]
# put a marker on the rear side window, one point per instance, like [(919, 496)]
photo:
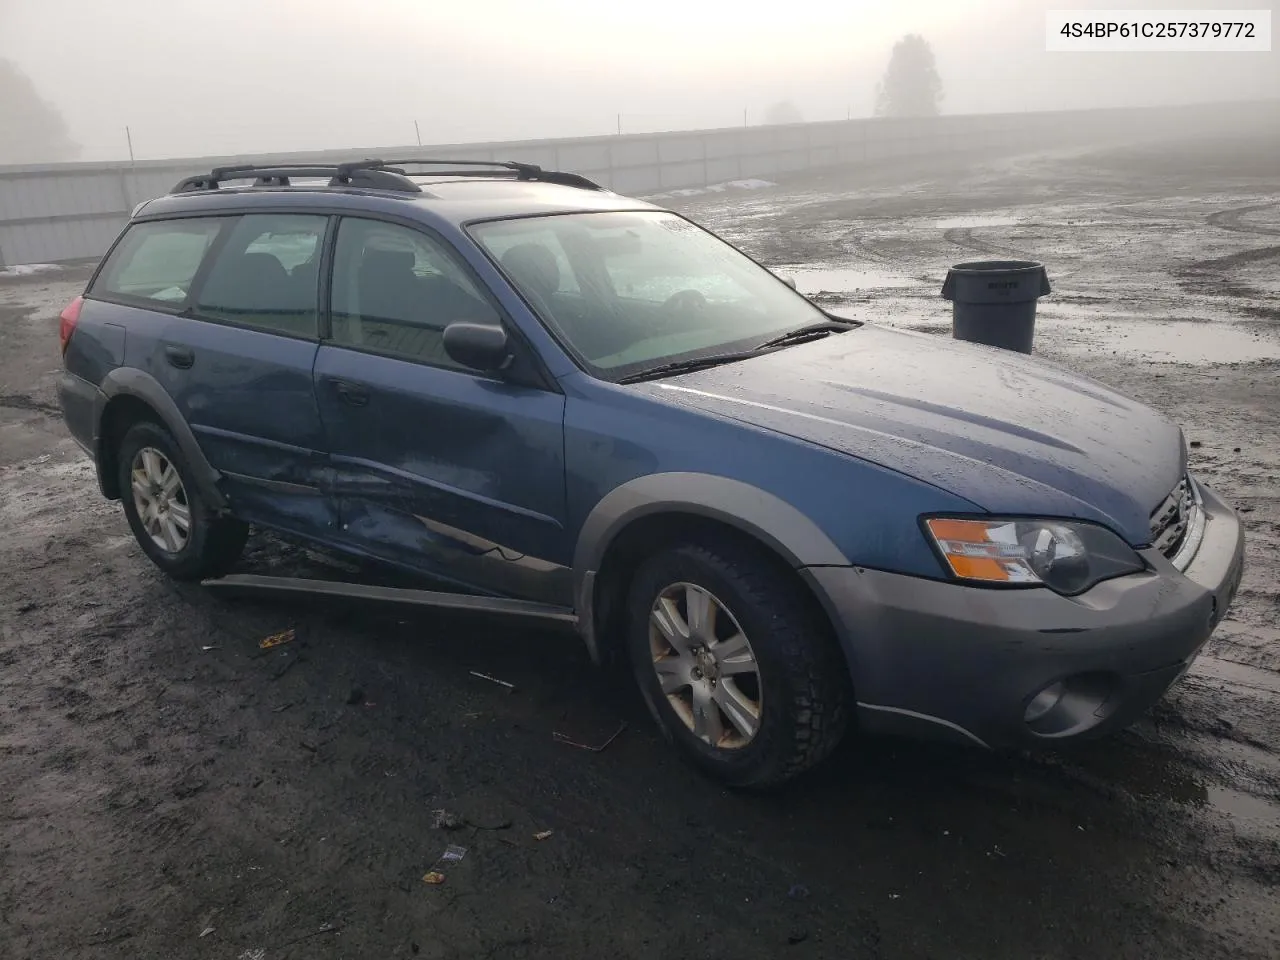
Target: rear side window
[(267, 274), (157, 261)]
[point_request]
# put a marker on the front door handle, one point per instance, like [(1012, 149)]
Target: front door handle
[(352, 393), (180, 357)]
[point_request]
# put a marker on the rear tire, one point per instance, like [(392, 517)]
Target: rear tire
[(760, 693), (168, 517)]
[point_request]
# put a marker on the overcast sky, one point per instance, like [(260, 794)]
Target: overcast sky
[(234, 76)]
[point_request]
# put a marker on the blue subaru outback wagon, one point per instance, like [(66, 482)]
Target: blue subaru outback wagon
[(567, 403)]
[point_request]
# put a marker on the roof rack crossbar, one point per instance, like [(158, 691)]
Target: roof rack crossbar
[(376, 174)]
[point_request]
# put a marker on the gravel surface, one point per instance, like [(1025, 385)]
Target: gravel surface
[(168, 789)]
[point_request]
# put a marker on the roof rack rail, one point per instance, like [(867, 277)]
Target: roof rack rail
[(372, 174), (377, 174), (485, 168)]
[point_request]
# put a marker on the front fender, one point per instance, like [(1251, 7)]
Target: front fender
[(762, 515), (131, 382)]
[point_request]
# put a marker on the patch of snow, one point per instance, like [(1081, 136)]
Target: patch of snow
[(842, 279), (748, 184), (969, 222), (28, 269)]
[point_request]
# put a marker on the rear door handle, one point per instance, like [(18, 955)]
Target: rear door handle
[(352, 393), (180, 357)]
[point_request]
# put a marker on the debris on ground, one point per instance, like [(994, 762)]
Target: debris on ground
[(542, 834), (276, 639), (205, 932), (503, 824), (561, 738), (798, 891), (212, 646), (444, 820), (502, 683), (452, 854), (797, 936), (324, 928)]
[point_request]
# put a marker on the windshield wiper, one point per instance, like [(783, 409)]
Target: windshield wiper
[(685, 366), (813, 331)]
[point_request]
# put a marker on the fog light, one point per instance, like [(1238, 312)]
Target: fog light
[(1044, 701)]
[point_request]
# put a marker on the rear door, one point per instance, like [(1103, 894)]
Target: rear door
[(235, 351), (457, 473)]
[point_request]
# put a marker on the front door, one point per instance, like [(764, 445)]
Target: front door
[(453, 472)]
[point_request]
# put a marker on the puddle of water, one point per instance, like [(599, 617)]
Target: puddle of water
[(1244, 807), (1167, 341), (959, 222), (842, 279)]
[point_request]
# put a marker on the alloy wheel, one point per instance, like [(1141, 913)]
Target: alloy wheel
[(160, 499), (705, 666)]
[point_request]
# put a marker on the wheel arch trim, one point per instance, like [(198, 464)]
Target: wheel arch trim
[(780, 526), (131, 382)]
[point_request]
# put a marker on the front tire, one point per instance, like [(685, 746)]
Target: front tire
[(172, 524), (735, 663)]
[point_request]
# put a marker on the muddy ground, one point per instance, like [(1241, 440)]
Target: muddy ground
[(169, 790)]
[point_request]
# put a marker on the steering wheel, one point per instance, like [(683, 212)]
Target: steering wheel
[(683, 304)]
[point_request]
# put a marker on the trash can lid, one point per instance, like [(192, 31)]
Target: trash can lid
[(1004, 266), (977, 275)]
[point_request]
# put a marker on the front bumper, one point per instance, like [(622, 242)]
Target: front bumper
[(938, 659)]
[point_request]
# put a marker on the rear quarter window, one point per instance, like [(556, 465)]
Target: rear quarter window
[(156, 261)]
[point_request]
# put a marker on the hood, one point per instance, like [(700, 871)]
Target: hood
[(1007, 432)]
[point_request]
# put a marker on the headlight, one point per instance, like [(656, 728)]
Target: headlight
[(1064, 556)]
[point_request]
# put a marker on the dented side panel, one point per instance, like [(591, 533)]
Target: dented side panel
[(455, 474)]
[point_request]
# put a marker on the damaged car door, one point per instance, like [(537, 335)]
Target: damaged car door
[(237, 355), (453, 471)]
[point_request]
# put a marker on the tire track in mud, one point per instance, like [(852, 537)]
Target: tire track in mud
[(20, 401), (963, 237), (1233, 260), (1233, 220)]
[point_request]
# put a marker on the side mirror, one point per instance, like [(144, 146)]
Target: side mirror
[(481, 346), (789, 281)]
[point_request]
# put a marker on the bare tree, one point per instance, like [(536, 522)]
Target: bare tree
[(911, 86), (33, 129), (784, 111)]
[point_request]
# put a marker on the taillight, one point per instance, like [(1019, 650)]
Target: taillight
[(67, 322)]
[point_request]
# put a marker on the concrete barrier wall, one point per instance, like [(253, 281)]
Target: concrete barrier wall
[(65, 212)]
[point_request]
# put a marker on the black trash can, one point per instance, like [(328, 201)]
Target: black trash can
[(994, 301)]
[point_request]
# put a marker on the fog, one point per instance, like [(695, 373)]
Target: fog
[(236, 76)]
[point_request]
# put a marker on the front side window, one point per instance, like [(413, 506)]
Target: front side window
[(156, 261), (630, 290), (396, 289), (267, 274)]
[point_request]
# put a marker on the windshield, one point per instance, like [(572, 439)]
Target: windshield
[(629, 291)]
